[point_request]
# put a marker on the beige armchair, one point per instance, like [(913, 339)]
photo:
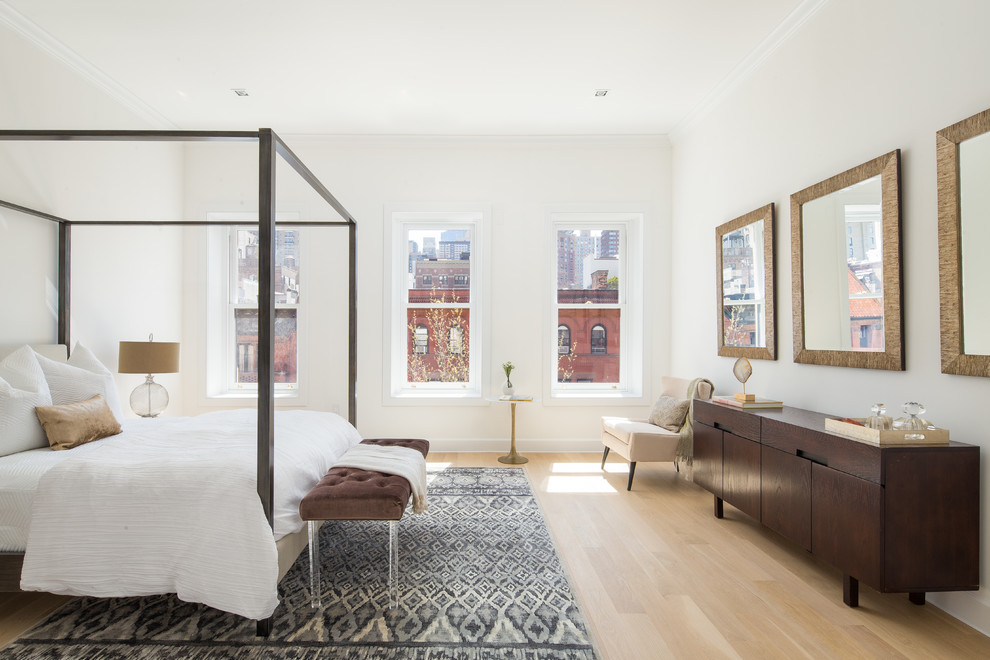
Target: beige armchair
[(639, 440)]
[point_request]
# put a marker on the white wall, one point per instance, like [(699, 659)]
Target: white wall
[(125, 282), (858, 80), (519, 177)]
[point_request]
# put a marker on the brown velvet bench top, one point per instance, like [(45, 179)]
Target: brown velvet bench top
[(347, 493)]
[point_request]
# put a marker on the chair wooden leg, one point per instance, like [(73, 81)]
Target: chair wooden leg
[(632, 471), (604, 456)]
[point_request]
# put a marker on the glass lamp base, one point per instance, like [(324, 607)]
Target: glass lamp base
[(149, 398)]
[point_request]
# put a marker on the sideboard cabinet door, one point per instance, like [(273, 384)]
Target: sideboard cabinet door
[(846, 523), (741, 473), (708, 458), (786, 502)]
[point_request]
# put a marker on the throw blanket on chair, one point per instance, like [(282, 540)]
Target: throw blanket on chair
[(685, 447), (400, 461)]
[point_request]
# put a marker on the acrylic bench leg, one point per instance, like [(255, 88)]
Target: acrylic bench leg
[(393, 564), (314, 564)]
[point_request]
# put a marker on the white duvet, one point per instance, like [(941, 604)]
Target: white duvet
[(171, 506)]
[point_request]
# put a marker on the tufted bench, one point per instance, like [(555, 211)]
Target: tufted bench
[(347, 493)]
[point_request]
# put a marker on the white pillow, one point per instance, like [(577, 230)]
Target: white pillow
[(22, 387), (82, 378)]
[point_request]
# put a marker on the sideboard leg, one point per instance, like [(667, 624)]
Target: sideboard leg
[(718, 506), (850, 591), (917, 597)]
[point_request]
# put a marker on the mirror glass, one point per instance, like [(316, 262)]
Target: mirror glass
[(974, 237), (744, 271), (845, 257), (843, 269), (963, 155)]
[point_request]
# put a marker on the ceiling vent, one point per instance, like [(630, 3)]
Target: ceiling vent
[(601, 92), (240, 92)]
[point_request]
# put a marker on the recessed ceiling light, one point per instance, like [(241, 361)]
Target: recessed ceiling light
[(601, 92), (240, 92)]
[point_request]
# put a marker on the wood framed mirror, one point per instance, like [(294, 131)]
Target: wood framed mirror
[(744, 278), (846, 268), (963, 158)]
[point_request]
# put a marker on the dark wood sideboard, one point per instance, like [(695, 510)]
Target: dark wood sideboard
[(899, 519)]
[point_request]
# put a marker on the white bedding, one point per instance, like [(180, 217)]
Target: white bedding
[(171, 506)]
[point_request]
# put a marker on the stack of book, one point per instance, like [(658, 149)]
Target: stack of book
[(757, 402)]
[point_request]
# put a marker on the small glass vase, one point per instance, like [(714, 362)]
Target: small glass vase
[(912, 422), (879, 419), (508, 389)]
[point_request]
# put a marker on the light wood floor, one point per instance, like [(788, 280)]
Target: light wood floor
[(657, 576)]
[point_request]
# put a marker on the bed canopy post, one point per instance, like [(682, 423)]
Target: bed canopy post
[(266, 334), (352, 327), (64, 279), (266, 319)]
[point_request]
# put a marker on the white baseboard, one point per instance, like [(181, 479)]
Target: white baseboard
[(531, 445), (970, 607)]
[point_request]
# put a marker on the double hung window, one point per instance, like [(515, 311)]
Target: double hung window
[(435, 325), (596, 305)]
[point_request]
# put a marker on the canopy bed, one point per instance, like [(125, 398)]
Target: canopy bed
[(270, 146)]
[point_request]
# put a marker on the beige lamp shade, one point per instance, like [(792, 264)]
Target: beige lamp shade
[(148, 357)]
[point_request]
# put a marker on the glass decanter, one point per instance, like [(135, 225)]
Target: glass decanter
[(879, 420), (912, 422)]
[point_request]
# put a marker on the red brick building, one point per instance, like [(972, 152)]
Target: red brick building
[(588, 337)]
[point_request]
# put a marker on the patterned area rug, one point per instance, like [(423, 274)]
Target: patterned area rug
[(479, 579)]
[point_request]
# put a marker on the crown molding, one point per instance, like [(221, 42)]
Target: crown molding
[(649, 140), (20, 24), (780, 34)]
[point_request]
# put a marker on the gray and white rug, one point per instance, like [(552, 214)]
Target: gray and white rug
[(479, 579)]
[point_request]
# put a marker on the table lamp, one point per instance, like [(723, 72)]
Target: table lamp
[(149, 398)]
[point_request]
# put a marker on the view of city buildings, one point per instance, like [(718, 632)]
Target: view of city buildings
[(743, 311), (865, 276), (437, 318), (588, 335), (245, 292)]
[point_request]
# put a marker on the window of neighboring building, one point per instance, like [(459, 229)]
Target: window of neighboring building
[(421, 340), (563, 340), (457, 340), (436, 341), (596, 305), (598, 344)]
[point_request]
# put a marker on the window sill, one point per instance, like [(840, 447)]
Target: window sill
[(434, 398), (595, 397), (250, 394)]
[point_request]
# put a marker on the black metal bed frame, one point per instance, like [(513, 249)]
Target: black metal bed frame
[(270, 146)]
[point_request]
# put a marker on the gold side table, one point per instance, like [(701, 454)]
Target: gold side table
[(512, 458)]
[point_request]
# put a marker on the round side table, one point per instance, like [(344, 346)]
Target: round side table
[(512, 458)]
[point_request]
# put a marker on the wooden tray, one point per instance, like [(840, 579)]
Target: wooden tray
[(880, 438)]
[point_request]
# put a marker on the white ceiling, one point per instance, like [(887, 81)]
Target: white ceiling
[(452, 67)]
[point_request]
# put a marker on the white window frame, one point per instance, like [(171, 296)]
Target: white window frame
[(221, 328), (400, 219), (629, 389)]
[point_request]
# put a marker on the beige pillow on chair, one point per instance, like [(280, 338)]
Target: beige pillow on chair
[(669, 413)]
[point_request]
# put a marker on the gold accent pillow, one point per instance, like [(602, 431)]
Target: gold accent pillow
[(669, 413), (76, 424)]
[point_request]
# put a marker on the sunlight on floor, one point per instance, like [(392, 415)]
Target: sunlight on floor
[(589, 468), (559, 484), (433, 468)]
